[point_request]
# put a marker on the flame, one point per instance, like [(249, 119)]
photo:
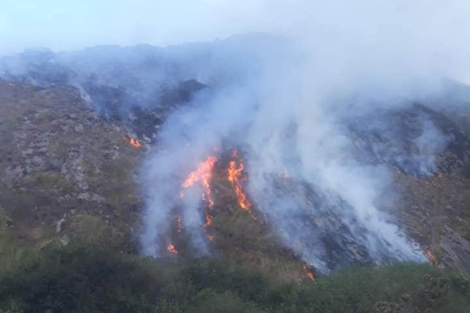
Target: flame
[(286, 175), (235, 176), (308, 272), (133, 142), (431, 257), (171, 248), (202, 174)]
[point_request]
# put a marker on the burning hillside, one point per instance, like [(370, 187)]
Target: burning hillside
[(267, 156), (322, 173)]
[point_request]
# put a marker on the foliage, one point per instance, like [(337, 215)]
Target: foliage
[(96, 278)]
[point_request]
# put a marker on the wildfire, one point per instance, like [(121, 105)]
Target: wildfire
[(308, 272), (171, 248), (436, 178), (202, 174), (133, 142), (431, 257), (235, 177)]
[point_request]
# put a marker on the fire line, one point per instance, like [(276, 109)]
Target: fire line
[(235, 177), (171, 248), (202, 174)]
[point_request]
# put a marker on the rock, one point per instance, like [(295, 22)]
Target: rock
[(146, 139), (58, 227), (9, 222), (13, 173), (65, 240), (387, 307), (406, 297), (78, 129)]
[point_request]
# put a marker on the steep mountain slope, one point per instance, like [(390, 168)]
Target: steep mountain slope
[(61, 160), (71, 213), (71, 176)]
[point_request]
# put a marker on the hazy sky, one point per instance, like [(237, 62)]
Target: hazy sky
[(435, 28), (73, 24)]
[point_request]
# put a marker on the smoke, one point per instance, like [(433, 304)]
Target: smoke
[(332, 102), (329, 96)]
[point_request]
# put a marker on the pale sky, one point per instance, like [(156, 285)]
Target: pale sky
[(73, 24), (415, 29)]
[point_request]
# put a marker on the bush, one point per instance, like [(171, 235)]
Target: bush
[(92, 278)]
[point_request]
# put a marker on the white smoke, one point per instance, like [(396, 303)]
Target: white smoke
[(295, 104), (329, 96)]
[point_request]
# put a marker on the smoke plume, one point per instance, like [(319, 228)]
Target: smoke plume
[(329, 103)]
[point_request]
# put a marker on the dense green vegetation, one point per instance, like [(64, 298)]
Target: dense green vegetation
[(99, 270), (96, 279)]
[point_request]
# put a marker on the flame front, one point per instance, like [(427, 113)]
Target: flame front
[(431, 257), (309, 273), (235, 177), (171, 248), (202, 174), (133, 142)]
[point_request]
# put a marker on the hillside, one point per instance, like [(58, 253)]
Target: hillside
[(72, 206)]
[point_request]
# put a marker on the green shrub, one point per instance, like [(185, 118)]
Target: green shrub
[(96, 278)]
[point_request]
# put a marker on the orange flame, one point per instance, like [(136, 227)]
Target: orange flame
[(203, 174), (133, 142), (235, 176), (308, 272), (171, 248), (431, 257)]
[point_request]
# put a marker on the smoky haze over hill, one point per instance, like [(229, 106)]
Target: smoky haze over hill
[(323, 110)]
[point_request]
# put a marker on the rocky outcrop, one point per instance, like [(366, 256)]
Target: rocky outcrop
[(57, 156)]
